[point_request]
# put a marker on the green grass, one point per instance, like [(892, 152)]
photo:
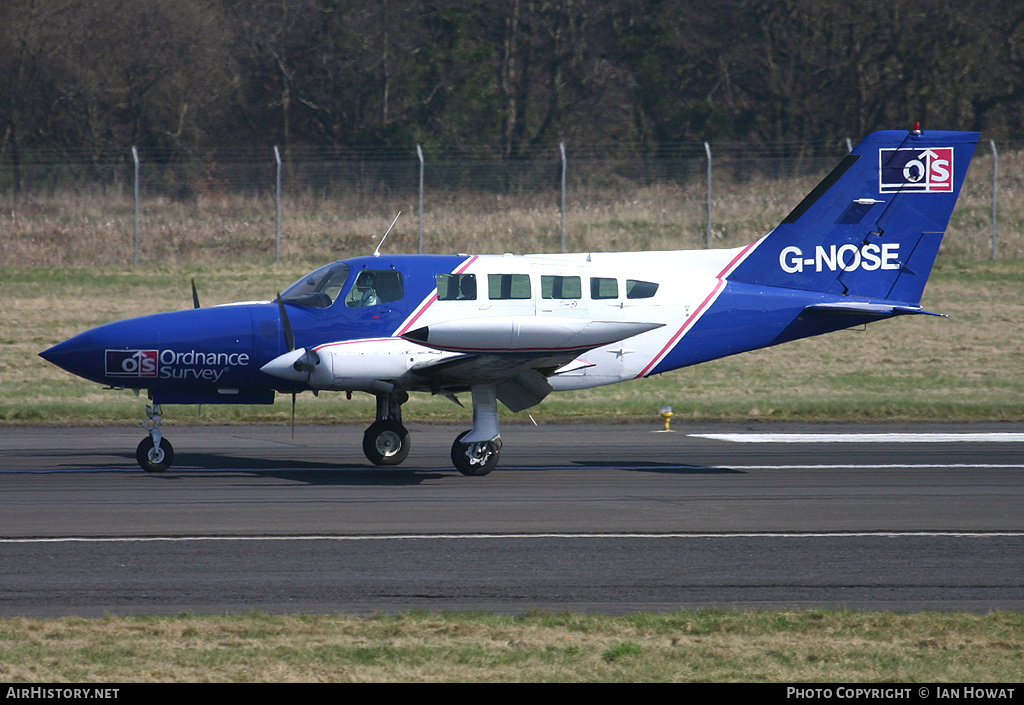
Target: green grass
[(814, 646)]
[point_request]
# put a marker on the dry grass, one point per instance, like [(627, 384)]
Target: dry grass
[(91, 229), (707, 646)]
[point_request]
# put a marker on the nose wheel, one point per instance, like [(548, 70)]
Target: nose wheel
[(152, 457), (154, 453)]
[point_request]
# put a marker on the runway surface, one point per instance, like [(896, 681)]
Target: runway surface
[(579, 517)]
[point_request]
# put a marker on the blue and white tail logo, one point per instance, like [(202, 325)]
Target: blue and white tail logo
[(872, 228), (922, 170)]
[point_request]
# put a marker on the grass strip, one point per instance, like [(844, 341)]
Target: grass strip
[(813, 646)]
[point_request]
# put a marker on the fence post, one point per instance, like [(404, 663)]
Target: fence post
[(995, 181), (707, 150), (419, 153), (277, 198), (561, 146), (135, 239)]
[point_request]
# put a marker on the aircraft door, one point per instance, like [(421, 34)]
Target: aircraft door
[(561, 296)]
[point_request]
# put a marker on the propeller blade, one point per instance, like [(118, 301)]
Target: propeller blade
[(293, 412), (289, 336)]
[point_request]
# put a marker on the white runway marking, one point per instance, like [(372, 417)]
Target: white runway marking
[(864, 437), (503, 537)]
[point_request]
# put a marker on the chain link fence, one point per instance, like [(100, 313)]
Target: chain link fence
[(139, 206)]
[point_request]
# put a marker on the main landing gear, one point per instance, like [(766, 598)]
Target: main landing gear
[(474, 452), (386, 441), (154, 453), (475, 458)]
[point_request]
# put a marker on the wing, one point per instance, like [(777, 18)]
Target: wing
[(516, 354)]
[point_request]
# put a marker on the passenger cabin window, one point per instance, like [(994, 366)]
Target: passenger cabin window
[(640, 289), (558, 287), (508, 286), (456, 287), (604, 288), (375, 287)]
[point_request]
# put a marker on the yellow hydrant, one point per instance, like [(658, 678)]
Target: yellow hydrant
[(666, 413)]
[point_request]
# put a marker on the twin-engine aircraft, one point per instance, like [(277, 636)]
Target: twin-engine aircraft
[(859, 248)]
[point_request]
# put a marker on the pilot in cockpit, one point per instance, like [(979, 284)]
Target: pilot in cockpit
[(364, 292)]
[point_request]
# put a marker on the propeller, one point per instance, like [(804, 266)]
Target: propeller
[(303, 363)]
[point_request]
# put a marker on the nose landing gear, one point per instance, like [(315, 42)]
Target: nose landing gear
[(154, 453)]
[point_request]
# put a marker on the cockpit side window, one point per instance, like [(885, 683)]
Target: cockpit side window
[(375, 286), (320, 288)]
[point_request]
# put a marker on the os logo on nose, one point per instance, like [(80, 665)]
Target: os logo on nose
[(132, 363)]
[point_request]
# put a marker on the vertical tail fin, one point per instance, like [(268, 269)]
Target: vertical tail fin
[(872, 227)]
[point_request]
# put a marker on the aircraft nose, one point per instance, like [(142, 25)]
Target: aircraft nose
[(73, 355), (203, 347)]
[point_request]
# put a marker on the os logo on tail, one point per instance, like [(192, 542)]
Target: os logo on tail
[(915, 170)]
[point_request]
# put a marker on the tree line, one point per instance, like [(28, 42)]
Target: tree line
[(184, 78)]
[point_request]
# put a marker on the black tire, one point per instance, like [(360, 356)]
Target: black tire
[(462, 462), (153, 459), (386, 442)]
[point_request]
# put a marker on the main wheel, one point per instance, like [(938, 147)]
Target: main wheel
[(152, 458), (386, 442), (475, 459)]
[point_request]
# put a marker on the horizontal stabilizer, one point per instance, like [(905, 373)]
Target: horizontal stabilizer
[(872, 309), (529, 334)]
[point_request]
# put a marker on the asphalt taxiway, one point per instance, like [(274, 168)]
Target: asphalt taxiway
[(582, 517)]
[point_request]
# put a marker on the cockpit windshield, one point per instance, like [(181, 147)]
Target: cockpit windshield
[(318, 289)]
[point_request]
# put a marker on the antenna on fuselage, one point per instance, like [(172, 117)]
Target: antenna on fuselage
[(376, 253)]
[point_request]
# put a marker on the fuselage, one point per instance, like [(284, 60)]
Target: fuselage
[(354, 314)]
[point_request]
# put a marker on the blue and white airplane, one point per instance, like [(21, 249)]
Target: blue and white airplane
[(859, 248)]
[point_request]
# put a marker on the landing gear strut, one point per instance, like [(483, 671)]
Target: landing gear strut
[(386, 441), (154, 453)]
